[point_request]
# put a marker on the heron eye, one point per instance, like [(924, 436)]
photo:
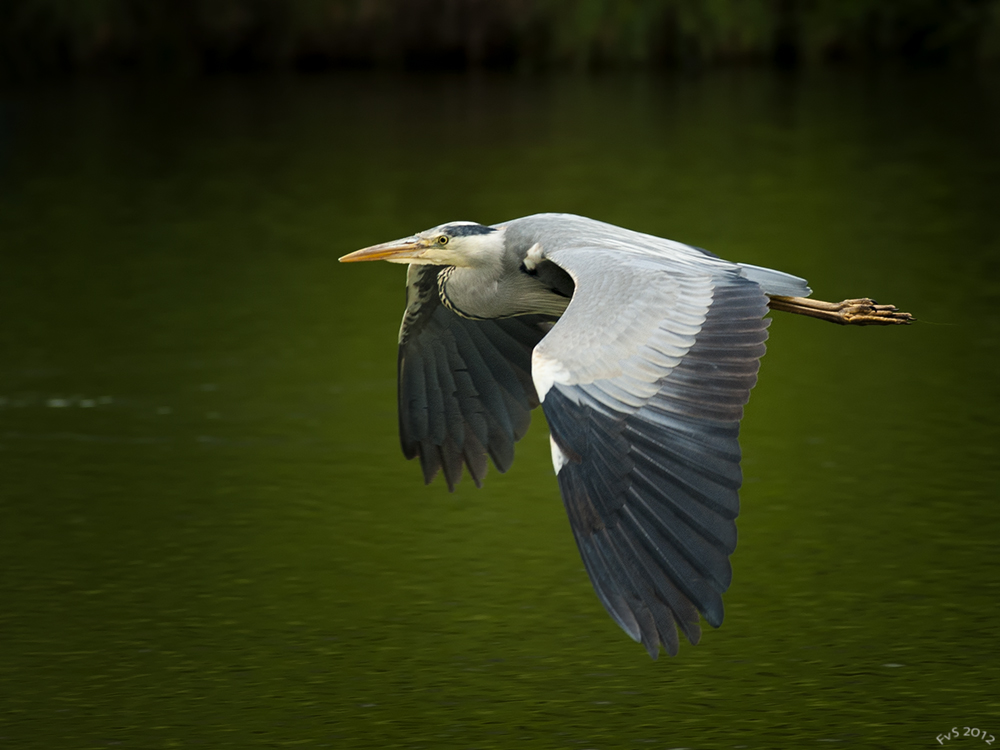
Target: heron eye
[(442, 240)]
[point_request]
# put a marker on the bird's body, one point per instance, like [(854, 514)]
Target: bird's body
[(641, 351)]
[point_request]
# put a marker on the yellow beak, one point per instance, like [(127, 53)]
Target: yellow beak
[(398, 251)]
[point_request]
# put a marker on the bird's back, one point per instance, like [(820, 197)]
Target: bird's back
[(556, 231)]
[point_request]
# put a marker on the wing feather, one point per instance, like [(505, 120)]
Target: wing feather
[(643, 382), (465, 390)]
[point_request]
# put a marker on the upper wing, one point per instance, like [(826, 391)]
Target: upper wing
[(643, 382), (464, 388)]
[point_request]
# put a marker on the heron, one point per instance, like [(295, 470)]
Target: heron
[(641, 352)]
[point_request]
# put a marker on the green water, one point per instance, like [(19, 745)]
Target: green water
[(208, 536)]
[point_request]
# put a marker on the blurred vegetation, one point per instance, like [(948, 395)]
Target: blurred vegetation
[(196, 35)]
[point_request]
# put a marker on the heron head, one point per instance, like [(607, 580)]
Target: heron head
[(457, 243)]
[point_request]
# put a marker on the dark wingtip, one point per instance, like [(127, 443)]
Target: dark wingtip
[(428, 464), (692, 631), (714, 613), (451, 481)]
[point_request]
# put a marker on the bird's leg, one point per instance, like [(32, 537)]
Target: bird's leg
[(855, 312)]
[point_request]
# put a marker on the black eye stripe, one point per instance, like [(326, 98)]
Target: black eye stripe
[(464, 230)]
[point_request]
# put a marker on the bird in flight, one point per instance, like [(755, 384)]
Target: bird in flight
[(641, 352)]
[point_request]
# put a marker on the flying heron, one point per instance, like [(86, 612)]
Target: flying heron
[(641, 351)]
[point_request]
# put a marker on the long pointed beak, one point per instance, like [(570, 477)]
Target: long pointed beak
[(396, 251)]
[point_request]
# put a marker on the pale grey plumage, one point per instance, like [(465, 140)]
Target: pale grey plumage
[(642, 352)]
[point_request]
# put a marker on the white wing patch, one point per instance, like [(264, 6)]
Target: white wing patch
[(534, 257), (545, 371), (559, 458)]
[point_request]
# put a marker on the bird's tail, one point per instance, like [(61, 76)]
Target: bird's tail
[(776, 282)]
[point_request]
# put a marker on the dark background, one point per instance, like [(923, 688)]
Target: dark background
[(210, 35)]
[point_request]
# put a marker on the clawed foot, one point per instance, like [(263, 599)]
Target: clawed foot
[(855, 312), (864, 312)]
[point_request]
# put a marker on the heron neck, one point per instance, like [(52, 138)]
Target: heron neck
[(488, 293)]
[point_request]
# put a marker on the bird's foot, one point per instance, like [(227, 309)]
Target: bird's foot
[(853, 312)]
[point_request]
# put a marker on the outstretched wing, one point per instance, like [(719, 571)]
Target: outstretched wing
[(464, 388), (643, 382)]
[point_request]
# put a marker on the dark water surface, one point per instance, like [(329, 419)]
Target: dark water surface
[(208, 535)]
